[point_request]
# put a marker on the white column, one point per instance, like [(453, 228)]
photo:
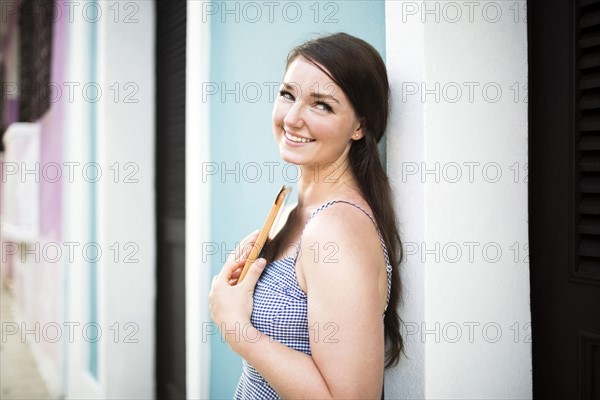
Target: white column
[(197, 209), (457, 157), (406, 141), (126, 198)]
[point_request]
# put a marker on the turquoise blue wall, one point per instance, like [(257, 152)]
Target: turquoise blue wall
[(252, 51)]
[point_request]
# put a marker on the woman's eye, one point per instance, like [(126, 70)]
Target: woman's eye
[(324, 106), (285, 94)]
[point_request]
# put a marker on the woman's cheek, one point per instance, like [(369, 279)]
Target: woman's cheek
[(280, 112)]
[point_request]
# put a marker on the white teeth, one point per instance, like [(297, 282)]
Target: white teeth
[(298, 139)]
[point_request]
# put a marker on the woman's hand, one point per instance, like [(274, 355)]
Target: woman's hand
[(230, 303)]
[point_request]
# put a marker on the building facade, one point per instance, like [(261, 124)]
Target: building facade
[(152, 156)]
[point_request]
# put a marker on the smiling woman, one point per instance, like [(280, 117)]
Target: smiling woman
[(322, 302)]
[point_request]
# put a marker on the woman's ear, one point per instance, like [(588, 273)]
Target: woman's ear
[(359, 132)]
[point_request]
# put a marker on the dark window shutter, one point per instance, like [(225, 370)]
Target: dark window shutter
[(2, 106), (170, 107), (35, 35), (586, 144), (170, 199)]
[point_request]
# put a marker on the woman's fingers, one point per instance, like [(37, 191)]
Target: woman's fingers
[(246, 245), (236, 273), (243, 249), (254, 272), (230, 267)]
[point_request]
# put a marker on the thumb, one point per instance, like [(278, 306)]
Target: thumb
[(254, 272)]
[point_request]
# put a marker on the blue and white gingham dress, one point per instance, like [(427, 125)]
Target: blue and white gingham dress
[(280, 311)]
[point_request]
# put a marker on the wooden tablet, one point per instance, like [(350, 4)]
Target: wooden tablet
[(266, 229)]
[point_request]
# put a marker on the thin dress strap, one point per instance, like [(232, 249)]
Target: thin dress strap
[(384, 247)]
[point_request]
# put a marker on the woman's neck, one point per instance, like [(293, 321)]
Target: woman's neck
[(320, 184)]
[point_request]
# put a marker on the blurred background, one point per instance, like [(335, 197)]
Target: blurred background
[(137, 151)]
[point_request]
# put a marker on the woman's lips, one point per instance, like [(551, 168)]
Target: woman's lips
[(296, 139)]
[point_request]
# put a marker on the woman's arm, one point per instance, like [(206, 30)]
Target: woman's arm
[(344, 310)]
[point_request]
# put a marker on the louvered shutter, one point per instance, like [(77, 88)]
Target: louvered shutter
[(2, 105), (170, 199), (170, 107), (586, 145), (35, 36)]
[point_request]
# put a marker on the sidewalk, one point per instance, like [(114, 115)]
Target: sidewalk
[(19, 376)]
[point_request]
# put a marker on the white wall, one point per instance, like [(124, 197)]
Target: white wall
[(124, 202), (126, 135), (466, 307)]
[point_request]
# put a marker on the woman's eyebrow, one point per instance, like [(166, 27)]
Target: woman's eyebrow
[(323, 96), (316, 95), (289, 86)]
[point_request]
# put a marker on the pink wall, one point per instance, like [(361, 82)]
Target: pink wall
[(38, 289), (48, 288)]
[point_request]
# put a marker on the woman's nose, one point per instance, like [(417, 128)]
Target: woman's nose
[(293, 118)]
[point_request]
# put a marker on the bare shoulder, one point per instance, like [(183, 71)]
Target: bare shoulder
[(341, 220), (342, 237)]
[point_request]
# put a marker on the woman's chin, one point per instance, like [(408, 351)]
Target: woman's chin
[(290, 158)]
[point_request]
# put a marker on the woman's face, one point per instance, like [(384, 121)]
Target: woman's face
[(313, 121)]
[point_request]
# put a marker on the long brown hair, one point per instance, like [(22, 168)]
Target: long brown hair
[(358, 69)]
